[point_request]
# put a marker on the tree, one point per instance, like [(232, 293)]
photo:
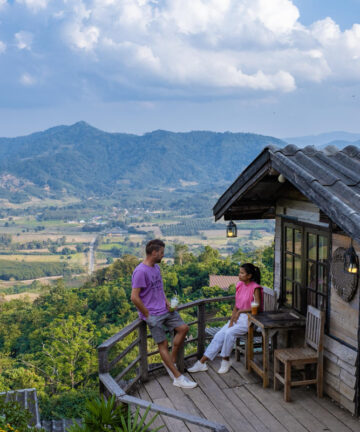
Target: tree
[(69, 357), (209, 254), (179, 251)]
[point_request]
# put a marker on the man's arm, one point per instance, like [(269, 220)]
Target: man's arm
[(135, 298)]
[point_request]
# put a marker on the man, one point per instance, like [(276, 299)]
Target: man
[(149, 298)]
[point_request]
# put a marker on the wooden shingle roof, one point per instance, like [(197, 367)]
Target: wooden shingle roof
[(329, 178)]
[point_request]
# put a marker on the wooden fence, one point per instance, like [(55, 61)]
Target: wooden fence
[(109, 385)]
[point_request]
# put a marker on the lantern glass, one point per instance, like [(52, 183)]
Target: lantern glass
[(231, 230), (351, 261)]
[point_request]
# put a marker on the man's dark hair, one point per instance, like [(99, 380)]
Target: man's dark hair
[(154, 245)]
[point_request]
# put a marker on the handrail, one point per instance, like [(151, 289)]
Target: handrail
[(114, 389), (110, 385)]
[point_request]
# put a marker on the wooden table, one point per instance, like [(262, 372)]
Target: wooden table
[(269, 323)]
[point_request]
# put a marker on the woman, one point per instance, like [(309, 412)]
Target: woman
[(247, 289)]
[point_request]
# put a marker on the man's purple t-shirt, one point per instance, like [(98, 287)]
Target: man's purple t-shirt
[(152, 290)]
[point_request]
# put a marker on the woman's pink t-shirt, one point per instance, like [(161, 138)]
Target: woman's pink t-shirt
[(245, 294)]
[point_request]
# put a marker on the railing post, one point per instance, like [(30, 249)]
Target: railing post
[(180, 359), (144, 368), (201, 330), (103, 367)]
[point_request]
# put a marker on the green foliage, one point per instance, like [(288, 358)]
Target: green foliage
[(5, 239), (105, 163), (13, 418), (23, 270), (189, 227), (69, 357), (50, 344), (104, 415), (69, 404)]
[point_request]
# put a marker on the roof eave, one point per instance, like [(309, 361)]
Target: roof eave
[(251, 175)]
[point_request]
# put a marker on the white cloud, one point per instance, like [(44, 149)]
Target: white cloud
[(2, 3), (2, 47), (203, 47), (84, 38), (23, 40), (27, 80), (34, 5)]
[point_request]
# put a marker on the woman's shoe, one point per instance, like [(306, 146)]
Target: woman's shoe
[(225, 366)]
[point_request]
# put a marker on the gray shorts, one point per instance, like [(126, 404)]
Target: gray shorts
[(162, 323)]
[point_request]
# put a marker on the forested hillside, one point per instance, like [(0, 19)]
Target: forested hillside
[(50, 344), (82, 160)]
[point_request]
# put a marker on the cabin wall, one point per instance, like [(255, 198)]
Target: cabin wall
[(340, 360)]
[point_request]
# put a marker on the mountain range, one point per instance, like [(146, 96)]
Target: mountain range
[(339, 139), (82, 160)]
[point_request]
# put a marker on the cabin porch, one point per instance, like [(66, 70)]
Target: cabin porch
[(238, 401)]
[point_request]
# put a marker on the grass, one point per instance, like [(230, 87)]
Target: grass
[(78, 258), (31, 258), (109, 246), (40, 203), (44, 235)]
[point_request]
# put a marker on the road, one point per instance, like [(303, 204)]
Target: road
[(92, 255)]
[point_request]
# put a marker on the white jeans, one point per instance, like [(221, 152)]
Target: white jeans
[(225, 338)]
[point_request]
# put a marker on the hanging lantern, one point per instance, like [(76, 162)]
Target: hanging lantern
[(231, 230), (351, 261)]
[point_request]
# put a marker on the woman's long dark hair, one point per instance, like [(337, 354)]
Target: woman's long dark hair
[(253, 270)]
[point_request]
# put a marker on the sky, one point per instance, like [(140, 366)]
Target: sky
[(283, 68)]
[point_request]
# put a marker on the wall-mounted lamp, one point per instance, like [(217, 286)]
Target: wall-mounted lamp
[(231, 230), (281, 179), (351, 261)]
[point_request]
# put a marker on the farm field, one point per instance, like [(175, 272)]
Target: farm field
[(63, 236)]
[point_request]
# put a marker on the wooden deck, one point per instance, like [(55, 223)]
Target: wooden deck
[(238, 401)]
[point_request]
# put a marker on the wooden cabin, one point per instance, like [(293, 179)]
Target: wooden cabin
[(314, 197)]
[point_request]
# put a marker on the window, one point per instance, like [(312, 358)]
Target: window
[(305, 266)]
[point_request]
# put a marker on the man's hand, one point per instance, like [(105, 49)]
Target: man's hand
[(168, 305), (151, 320)]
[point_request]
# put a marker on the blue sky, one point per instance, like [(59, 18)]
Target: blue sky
[(275, 67)]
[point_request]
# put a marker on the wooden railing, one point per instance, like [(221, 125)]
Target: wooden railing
[(109, 385)]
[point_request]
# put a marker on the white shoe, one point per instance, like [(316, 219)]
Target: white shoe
[(184, 382), (198, 367), (171, 375), (225, 366)]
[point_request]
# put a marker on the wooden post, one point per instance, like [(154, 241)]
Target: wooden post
[(201, 330), (250, 346), (180, 359), (103, 367), (144, 368)]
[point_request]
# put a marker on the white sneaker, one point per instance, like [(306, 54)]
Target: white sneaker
[(225, 366), (184, 382), (198, 367), (171, 375)]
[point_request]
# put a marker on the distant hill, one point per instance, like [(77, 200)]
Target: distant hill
[(322, 140), (83, 160), (340, 144)]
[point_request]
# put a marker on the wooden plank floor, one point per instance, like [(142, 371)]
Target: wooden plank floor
[(238, 401)]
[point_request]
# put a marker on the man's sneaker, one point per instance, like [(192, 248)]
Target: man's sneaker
[(198, 367), (184, 382), (171, 375), (225, 366)]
